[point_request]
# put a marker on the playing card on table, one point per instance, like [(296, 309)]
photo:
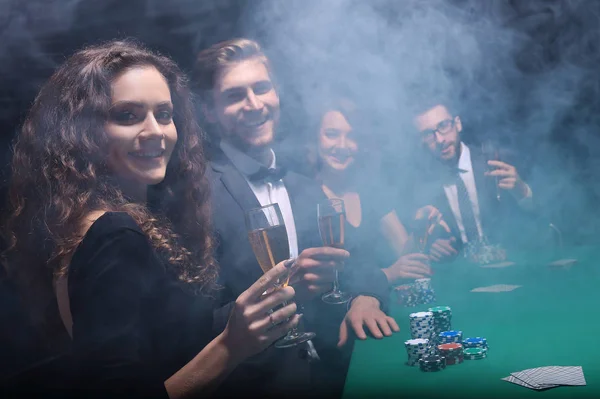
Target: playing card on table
[(515, 380), (563, 263), (496, 288), (497, 265), (526, 377), (571, 375), (548, 377)]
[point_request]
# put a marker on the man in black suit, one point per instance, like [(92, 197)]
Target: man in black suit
[(477, 197), (239, 106)]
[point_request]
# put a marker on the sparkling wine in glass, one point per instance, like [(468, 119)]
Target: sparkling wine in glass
[(269, 241), (421, 233), (332, 223), (491, 153)]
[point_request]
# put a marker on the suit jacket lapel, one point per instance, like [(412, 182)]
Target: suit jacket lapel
[(235, 183)]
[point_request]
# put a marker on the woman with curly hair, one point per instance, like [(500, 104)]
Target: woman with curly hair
[(112, 131)]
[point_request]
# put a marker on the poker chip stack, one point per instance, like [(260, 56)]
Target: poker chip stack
[(424, 291), (448, 337), (442, 318), (418, 293), (453, 353), (406, 295), (476, 342), (432, 363), (422, 325), (475, 353), (416, 349), (484, 253)]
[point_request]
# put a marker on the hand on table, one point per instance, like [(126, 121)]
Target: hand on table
[(253, 325), (415, 265), (365, 310), (314, 271), (508, 178)]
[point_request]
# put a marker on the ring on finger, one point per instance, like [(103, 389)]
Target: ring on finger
[(273, 324)]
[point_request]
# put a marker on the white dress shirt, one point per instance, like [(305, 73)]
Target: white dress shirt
[(265, 192), (464, 163)]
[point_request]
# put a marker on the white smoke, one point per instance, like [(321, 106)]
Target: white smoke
[(516, 69)]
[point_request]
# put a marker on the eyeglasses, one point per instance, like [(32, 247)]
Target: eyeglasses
[(443, 128)]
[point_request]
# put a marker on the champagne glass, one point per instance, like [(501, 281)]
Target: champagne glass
[(332, 222), (421, 233), (269, 240), (491, 153)]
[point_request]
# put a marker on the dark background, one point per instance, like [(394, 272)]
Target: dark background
[(36, 35)]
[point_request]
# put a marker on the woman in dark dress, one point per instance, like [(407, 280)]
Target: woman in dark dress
[(374, 230), (112, 127)]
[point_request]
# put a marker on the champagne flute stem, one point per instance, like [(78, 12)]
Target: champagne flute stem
[(294, 330), (336, 283), (497, 188)]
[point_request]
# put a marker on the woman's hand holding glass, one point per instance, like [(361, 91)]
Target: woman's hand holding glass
[(254, 324), (409, 266), (442, 247)]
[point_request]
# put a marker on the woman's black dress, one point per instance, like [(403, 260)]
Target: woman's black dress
[(134, 324)]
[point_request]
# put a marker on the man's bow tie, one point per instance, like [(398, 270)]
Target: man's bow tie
[(268, 174)]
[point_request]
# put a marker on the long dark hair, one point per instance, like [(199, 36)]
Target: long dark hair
[(59, 174)]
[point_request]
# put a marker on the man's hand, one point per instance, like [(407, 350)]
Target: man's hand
[(443, 249), (365, 311), (508, 179), (314, 271)]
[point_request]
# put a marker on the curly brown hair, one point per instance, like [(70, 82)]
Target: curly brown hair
[(59, 174)]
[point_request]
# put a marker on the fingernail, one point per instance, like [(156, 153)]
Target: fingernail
[(289, 263)]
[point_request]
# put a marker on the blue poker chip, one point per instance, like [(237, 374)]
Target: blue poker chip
[(446, 337), (476, 342), (450, 334)]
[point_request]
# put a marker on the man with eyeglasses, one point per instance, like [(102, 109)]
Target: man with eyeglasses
[(471, 185)]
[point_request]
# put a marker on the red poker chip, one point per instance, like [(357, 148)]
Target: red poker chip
[(450, 347)]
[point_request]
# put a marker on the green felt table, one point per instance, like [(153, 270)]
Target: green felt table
[(551, 320)]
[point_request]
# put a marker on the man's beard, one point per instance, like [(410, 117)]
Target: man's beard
[(261, 153)]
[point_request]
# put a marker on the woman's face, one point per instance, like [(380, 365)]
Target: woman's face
[(337, 147), (140, 127)]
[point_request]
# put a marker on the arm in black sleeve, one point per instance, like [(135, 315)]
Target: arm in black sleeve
[(369, 281)]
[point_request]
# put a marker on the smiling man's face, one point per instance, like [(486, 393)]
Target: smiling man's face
[(245, 104)]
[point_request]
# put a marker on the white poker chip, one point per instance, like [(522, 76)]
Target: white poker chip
[(421, 315), (417, 341)]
